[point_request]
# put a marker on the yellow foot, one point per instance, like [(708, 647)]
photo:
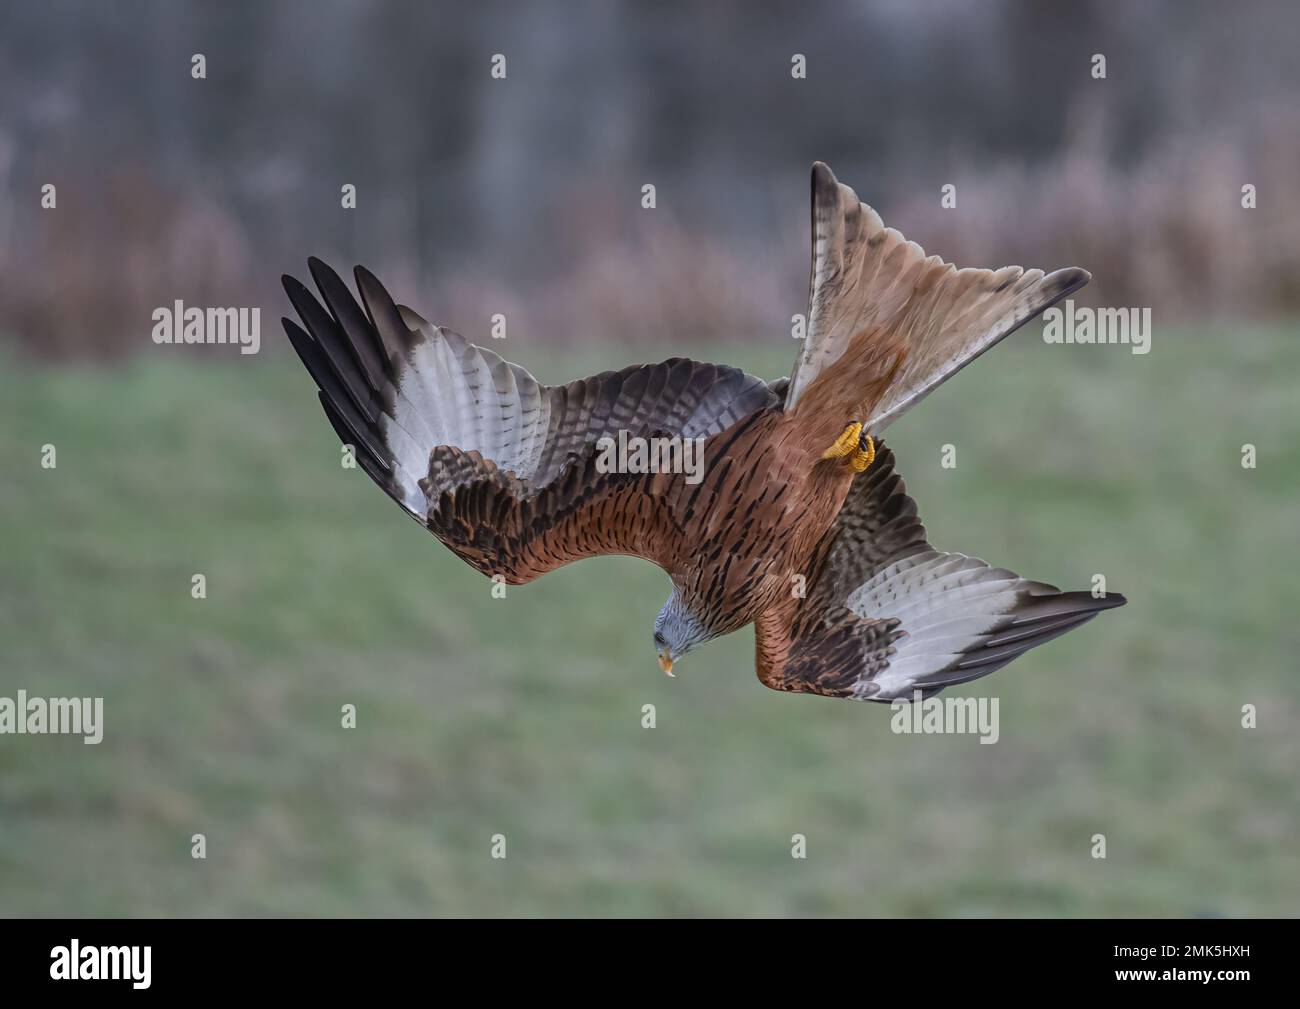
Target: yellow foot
[(863, 457), (845, 444), (856, 448)]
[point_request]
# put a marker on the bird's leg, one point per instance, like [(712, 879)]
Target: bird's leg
[(855, 446), (846, 443)]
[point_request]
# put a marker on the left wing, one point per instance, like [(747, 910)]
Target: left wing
[(499, 467)]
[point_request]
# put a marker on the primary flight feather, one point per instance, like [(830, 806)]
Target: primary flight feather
[(797, 521)]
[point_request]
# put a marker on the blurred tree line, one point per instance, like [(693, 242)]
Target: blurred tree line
[(522, 195)]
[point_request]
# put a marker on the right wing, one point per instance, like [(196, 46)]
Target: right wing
[(886, 324), (501, 468), (887, 614)]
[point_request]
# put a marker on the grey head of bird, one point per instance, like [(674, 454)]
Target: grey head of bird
[(677, 631)]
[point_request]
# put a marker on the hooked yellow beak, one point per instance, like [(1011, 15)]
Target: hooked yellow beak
[(665, 663)]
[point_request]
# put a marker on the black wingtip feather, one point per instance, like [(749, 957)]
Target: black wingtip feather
[(338, 353), (1040, 620), (332, 346), (358, 437), (386, 320), (359, 329)]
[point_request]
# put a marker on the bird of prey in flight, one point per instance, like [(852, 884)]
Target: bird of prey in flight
[(798, 522)]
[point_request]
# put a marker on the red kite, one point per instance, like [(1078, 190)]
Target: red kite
[(796, 521)]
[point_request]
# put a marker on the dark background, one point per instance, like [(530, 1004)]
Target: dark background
[(523, 193)]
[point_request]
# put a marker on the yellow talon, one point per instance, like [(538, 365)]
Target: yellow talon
[(845, 444), (862, 458), (859, 448)]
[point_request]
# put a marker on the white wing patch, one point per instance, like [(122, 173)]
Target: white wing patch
[(396, 388), (455, 393), (946, 603)]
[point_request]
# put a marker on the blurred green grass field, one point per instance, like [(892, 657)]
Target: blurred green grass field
[(522, 716)]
